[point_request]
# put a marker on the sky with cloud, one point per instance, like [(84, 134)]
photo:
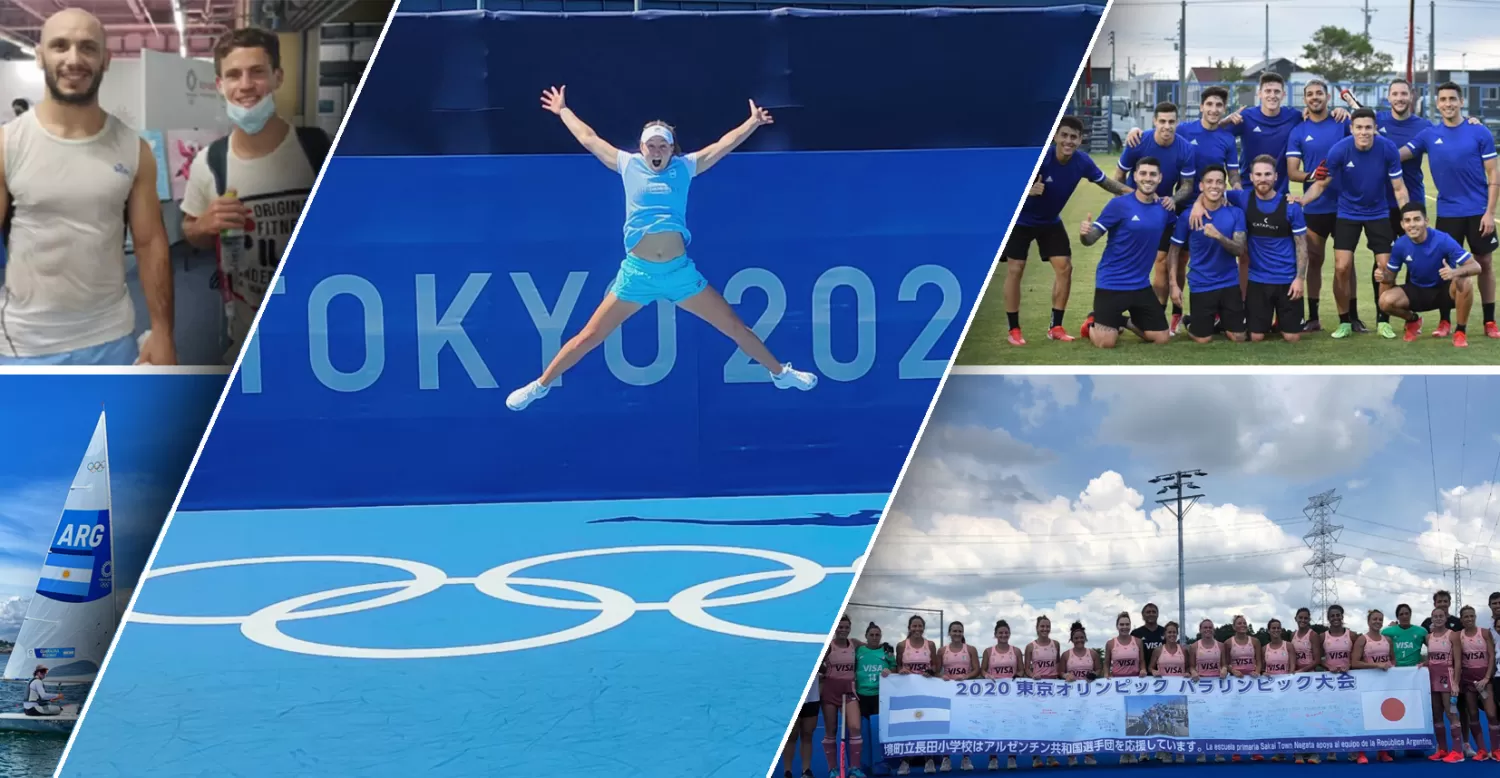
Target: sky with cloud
[(1468, 31), (1031, 495), (155, 423)]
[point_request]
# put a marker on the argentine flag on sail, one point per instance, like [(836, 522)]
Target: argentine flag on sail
[(918, 715), (69, 574)]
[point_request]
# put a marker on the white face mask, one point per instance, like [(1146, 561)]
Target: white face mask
[(253, 119)]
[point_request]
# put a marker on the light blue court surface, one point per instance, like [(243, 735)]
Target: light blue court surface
[(631, 638)]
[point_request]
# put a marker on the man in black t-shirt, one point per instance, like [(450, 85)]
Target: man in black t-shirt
[(1152, 635)]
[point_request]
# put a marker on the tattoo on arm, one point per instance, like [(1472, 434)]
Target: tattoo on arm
[(1093, 236), (1301, 243), (1115, 186), (1234, 245), (1174, 257), (1184, 194), (1234, 178)]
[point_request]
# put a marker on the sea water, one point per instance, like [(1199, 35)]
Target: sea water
[(30, 754)]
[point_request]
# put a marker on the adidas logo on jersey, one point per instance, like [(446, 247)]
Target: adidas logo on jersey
[(1382, 130), (1308, 138), (1351, 163), (1193, 142), (1047, 180), (1135, 218), (1257, 129), (1438, 142)]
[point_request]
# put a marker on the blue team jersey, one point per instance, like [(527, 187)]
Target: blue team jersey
[(1176, 161), (1272, 260), (1424, 260), (1361, 177), (1059, 180), (1212, 267), (1135, 229), (1457, 156), (655, 202), (1402, 132), (1261, 134), (1210, 147), (1310, 142)]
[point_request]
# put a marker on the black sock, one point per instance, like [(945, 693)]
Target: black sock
[(1381, 316), (1176, 309), (1411, 317), (1353, 310), (1057, 317), (1445, 314), (1312, 309), (1489, 312), (1462, 328), (1375, 285), (1014, 319), (1343, 318)]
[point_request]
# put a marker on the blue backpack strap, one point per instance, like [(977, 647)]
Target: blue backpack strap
[(218, 164), (316, 145)]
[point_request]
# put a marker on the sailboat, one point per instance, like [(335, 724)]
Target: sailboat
[(73, 615)]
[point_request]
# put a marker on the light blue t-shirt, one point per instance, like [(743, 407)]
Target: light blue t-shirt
[(656, 202)]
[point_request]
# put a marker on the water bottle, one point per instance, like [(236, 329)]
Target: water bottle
[(231, 248)]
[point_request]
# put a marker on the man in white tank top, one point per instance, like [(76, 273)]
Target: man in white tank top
[(268, 178), (72, 171)]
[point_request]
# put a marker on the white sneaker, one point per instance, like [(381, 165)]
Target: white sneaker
[(965, 764), (931, 767), (1010, 763), (946, 766), (526, 395), (995, 762), (903, 769), (793, 379)]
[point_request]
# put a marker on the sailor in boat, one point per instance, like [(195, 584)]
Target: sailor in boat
[(38, 701)]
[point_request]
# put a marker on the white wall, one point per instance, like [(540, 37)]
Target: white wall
[(120, 93)]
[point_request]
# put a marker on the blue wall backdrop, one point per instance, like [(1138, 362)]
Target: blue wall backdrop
[(423, 288)]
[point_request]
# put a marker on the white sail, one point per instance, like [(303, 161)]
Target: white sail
[(72, 617)]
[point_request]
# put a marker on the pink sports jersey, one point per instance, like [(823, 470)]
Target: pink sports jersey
[(1278, 659), (1124, 658), (1377, 650), (1440, 661), (1001, 664), (916, 660), (1209, 660), (1242, 657), (1338, 651), (956, 663), (1044, 660), (1080, 665), (1170, 664), (1474, 652), (841, 662), (1302, 644)]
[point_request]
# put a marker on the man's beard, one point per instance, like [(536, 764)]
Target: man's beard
[(87, 96)]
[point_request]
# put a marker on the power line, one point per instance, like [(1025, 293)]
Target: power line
[(1108, 567), (1324, 565)]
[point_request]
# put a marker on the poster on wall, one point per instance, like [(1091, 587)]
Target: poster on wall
[(180, 92), (158, 143), (182, 146)]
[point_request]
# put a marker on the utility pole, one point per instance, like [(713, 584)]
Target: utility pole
[(1110, 106), (1431, 57), (1324, 564), (1182, 55), (1179, 505), (1267, 57), (1460, 566), (1368, 14)]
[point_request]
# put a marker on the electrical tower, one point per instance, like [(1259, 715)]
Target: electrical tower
[(1324, 565), (1179, 505), (1460, 566)]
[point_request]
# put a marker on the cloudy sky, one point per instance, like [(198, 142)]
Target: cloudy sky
[(154, 426), (1221, 29), (1030, 495)]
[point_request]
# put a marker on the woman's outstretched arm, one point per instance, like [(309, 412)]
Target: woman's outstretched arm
[(554, 100), (712, 153)]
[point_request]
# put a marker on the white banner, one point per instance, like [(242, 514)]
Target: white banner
[(1366, 710)]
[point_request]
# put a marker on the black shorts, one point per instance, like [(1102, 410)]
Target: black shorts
[(1378, 235), (1428, 298), (1225, 303), (1396, 230), (1166, 241), (869, 705), (1265, 301), (1051, 241), (809, 710), (1111, 308), (1321, 223), (1465, 230)]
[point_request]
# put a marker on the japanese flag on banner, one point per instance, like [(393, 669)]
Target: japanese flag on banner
[(1394, 709)]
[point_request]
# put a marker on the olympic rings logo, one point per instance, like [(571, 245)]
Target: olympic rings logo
[(96, 467), (611, 607)]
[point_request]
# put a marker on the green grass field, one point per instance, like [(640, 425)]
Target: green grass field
[(986, 343)]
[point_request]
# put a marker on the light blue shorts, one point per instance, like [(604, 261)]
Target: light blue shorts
[(643, 282), (116, 352)]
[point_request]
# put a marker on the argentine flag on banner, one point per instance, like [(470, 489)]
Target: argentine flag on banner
[(67, 574), (919, 715)]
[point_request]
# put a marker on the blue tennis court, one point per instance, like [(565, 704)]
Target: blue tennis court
[(621, 638)]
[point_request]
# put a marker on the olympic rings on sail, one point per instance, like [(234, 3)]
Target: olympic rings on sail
[(96, 467), (611, 607)]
